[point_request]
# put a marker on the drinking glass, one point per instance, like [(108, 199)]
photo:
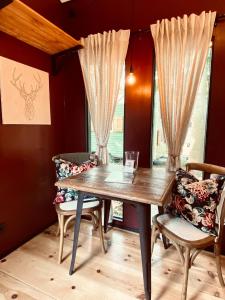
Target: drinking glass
[(131, 159)]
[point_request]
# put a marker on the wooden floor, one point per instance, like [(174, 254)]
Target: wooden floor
[(32, 272)]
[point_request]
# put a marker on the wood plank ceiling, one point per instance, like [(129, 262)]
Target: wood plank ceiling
[(20, 21)]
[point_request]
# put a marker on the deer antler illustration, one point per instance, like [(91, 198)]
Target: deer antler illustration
[(29, 97)]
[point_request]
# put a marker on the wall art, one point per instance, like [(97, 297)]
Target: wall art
[(24, 94)]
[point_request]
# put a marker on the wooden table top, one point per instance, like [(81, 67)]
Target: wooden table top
[(149, 186)]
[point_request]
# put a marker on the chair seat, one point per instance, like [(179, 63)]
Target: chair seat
[(72, 205), (181, 228)]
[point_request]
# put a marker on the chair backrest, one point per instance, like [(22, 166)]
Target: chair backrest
[(207, 170), (77, 157), (81, 161)]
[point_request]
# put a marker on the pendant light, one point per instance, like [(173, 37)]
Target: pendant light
[(131, 79)]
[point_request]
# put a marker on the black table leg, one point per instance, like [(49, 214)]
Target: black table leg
[(107, 206), (144, 217), (76, 230)]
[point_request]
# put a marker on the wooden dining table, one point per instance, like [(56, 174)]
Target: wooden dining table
[(143, 188)]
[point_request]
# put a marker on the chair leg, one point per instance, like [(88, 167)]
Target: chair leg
[(153, 237), (95, 218), (218, 264), (58, 227), (180, 251), (186, 271), (100, 228), (61, 238), (67, 223), (166, 242)]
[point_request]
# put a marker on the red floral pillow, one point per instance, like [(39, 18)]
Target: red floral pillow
[(196, 201), (75, 169), (64, 169)]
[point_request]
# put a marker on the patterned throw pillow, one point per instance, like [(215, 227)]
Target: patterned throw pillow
[(196, 200), (65, 169)]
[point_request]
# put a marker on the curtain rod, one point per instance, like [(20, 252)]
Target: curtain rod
[(219, 18)]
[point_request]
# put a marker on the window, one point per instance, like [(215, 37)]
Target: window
[(194, 145), (115, 144)]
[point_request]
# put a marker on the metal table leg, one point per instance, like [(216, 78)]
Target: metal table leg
[(107, 206), (76, 230), (144, 217)]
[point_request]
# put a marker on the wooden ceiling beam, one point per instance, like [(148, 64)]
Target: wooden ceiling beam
[(20, 21)]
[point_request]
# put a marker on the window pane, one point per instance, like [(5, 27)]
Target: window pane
[(194, 145), (115, 144)]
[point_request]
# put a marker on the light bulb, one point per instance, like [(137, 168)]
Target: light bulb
[(131, 79)]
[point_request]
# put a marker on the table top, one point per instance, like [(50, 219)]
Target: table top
[(150, 186)]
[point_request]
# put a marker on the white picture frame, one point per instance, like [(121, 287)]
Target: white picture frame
[(25, 97)]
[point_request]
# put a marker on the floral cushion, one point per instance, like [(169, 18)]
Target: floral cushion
[(64, 169), (196, 200)]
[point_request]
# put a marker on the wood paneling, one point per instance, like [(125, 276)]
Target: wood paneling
[(22, 22), (138, 97)]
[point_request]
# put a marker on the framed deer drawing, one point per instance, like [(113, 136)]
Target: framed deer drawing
[(24, 94)]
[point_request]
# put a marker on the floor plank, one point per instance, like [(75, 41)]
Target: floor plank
[(12, 288), (32, 272)]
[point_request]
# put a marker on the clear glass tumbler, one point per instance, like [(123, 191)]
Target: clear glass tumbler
[(131, 159)]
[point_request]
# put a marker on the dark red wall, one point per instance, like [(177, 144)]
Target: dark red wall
[(27, 172), (216, 126), (75, 114), (138, 102), (50, 9), (83, 17)]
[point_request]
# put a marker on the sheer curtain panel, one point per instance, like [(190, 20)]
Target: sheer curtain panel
[(102, 60), (181, 47)]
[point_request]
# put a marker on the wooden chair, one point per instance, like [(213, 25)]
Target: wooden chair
[(187, 239), (66, 211)]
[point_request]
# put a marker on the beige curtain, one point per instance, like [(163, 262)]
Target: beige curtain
[(181, 47), (102, 60)]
